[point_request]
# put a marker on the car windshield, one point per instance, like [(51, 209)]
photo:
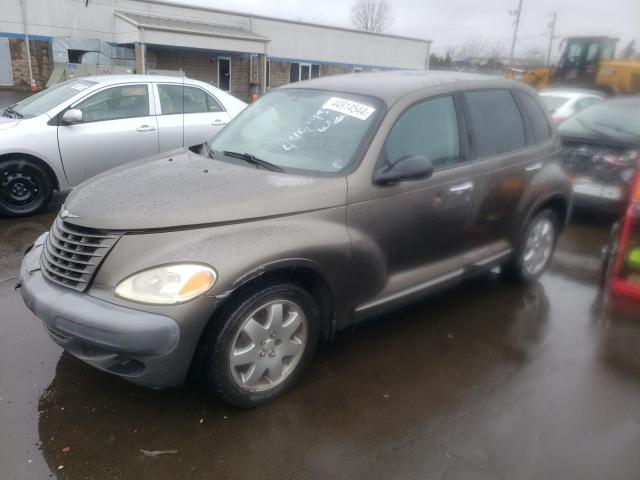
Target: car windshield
[(308, 130), (619, 120), (554, 102), (51, 97)]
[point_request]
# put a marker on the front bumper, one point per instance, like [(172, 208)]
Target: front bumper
[(139, 346)]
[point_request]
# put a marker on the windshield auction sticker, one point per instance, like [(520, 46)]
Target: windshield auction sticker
[(347, 107)]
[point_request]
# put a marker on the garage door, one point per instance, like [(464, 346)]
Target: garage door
[(6, 77)]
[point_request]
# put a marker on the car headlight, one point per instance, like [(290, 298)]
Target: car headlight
[(168, 285)]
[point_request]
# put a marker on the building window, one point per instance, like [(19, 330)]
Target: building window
[(303, 71), (268, 73)]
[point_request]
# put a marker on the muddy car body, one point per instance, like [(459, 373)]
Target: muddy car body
[(287, 247)]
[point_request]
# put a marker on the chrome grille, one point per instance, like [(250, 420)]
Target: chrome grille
[(72, 254)]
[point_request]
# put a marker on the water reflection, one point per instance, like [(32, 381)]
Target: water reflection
[(618, 331), (377, 385)]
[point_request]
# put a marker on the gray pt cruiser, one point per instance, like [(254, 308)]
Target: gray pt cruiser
[(322, 204)]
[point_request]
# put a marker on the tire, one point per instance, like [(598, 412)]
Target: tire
[(518, 268), (241, 383), (25, 188)]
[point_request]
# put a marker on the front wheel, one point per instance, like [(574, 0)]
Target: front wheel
[(25, 188), (260, 345), (533, 254)]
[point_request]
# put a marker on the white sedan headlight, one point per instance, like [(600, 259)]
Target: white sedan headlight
[(167, 285)]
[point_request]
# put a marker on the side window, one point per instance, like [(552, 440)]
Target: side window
[(428, 129), (496, 124), (537, 117), (173, 97), (126, 101)]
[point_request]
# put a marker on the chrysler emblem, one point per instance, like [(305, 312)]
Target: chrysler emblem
[(66, 214)]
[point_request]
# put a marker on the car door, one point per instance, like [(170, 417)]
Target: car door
[(411, 235), (188, 116), (504, 159), (118, 126)]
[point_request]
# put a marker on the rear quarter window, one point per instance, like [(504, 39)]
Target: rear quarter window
[(496, 123), (537, 117)]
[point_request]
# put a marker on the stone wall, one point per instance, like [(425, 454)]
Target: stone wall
[(327, 70), (279, 71), (40, 62), (201, 65)]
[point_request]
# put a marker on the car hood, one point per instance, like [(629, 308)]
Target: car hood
[(6, 122), (184, 189)]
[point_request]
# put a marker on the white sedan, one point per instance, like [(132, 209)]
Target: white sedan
[(60, 137), (563, 104)]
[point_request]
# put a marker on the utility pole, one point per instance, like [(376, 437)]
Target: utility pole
[(515, 13), (552, 27)]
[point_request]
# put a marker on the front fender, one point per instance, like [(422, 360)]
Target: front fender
[(240, 252)]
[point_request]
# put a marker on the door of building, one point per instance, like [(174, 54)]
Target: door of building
[(224, 73)]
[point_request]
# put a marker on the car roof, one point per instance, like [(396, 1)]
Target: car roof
[(571, 94), (134, 78), (624, 100), (390, 86)]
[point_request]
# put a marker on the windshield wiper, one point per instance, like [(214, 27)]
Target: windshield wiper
[(11, 113), (247, 157)]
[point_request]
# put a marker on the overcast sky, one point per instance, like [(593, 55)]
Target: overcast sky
[(455, 22)]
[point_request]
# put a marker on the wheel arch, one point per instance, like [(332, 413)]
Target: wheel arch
[(302, 272), (32, 158), (557, 203)]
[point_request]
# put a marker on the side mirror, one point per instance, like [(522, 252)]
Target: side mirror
[(71, 116), (405, 169)]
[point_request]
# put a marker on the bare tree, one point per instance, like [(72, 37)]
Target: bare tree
[(496, 50), (474, 47), (533, 57), (372, 15)]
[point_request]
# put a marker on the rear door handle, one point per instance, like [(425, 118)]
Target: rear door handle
[(145, 128), (218, 122), (461, 187), (533, 167)]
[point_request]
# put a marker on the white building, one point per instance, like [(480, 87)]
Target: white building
[(228, 49)]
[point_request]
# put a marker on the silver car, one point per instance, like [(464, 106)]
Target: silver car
[(60, 137)]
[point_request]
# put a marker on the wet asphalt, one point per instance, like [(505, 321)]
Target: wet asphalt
[(485, 381)]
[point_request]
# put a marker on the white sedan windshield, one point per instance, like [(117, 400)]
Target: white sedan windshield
[(51, 97), (302, 129)]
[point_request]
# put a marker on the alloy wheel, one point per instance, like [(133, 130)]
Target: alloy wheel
[(269, 344), (539, 246)]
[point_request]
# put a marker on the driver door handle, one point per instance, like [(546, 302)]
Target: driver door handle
[(533, 167), (218, 122), (145, 128), (461, 187)]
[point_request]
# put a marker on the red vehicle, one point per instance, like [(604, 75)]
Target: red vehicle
[(622, 256)]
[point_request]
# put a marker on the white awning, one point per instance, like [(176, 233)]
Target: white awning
[(186, 33)]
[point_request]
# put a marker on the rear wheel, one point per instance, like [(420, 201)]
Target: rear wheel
[(260, 345), (25, 188), (533, 254)]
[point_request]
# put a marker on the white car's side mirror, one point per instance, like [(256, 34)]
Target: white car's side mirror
[(72, 116)]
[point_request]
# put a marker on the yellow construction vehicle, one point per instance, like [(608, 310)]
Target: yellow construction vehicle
[(586, 62)]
